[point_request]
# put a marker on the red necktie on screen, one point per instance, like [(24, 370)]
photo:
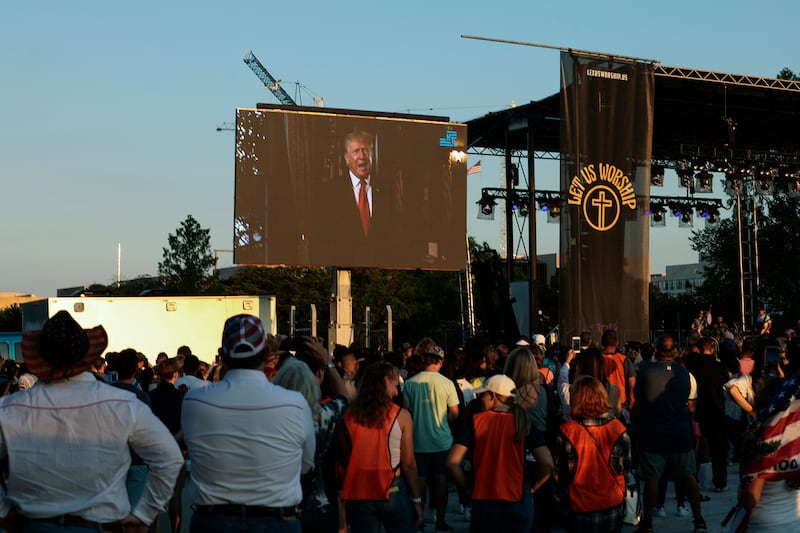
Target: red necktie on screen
[(363, 207)]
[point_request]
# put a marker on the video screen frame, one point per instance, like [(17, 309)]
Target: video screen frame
[(298, 182)]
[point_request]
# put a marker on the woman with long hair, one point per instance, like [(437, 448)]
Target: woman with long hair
[(590, 362), (522, 368), (593, 459), (500, 436), (381, 485)]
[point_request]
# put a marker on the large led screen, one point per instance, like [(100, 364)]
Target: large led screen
[(338, 188)]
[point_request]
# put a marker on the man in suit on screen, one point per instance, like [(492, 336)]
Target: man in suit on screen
[(356, 226)]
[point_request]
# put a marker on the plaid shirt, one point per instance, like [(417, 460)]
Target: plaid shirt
[(566, 460)]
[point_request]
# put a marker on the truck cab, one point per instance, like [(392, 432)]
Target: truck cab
[(11, 346)]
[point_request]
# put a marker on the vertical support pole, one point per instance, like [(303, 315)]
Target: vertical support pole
[(389, 340), (292, 323), (340, 329), (509, 214), (367, 330), (313, 324), (533, 282)]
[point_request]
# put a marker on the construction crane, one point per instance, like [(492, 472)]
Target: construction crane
[(266, 78)]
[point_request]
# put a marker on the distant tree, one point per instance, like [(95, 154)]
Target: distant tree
[(11, 318), (778, 257), (787, 74), (301, 287), (188, 261)]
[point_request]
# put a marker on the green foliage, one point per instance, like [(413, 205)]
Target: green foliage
[(779, 257), (11, 318), (423, 303), (778, 260), (300, 287), (718, 249), (787, 74), (188, 261)]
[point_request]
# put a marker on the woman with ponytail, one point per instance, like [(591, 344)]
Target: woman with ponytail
[(500, 436)]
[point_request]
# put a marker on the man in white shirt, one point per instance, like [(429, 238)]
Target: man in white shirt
[(189, 379), (248, 441), (68, 441)]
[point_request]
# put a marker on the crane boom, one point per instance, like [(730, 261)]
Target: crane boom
[(269, 82)]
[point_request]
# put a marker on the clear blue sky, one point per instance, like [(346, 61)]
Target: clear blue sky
[(109, 109)]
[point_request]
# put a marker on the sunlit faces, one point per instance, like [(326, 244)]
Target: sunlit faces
[(358, 157)]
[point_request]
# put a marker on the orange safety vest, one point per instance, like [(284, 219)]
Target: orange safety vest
[(369, 473), (595, 486), (615, 373), (499, 459)]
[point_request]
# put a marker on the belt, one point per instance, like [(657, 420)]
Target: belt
[(246, 511), (71, 520)]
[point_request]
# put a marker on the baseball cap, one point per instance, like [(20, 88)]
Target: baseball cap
[(538, 339), (435, 350), (498, 384), (243, 336)]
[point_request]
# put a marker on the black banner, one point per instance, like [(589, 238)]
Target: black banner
[(606, 139)]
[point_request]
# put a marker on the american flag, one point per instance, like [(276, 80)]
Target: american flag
[(474, 169), (775, 451)]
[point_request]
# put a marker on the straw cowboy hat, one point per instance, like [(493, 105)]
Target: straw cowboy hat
[(62, 348)]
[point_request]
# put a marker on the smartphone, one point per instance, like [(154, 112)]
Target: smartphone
[(576, 344)]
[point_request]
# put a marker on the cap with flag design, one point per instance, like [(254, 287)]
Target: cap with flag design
[(243, 336)]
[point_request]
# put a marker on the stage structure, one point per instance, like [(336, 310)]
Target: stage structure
[(705, 126)]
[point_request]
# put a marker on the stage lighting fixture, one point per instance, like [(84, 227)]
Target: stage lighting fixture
[(686, 218), (657, 218), (711, 217), (765, 179), (685, 174), (705, 181), (793, 185), (657, 175), (553, 208), (486, 207), (733, 182), (523, 209)]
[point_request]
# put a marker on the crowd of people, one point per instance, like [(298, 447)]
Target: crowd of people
[(279, 434)]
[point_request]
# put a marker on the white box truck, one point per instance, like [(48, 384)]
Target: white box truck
[(152, 324)]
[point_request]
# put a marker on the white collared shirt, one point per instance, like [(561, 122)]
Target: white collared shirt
[(248, 441), (191, 382), (356, 182), (68, 448)]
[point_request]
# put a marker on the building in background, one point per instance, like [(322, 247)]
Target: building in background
[(679, 280)]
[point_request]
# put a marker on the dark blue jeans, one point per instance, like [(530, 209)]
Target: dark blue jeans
[(217, 523), (43, 527), (395, 515), (497, 515)]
